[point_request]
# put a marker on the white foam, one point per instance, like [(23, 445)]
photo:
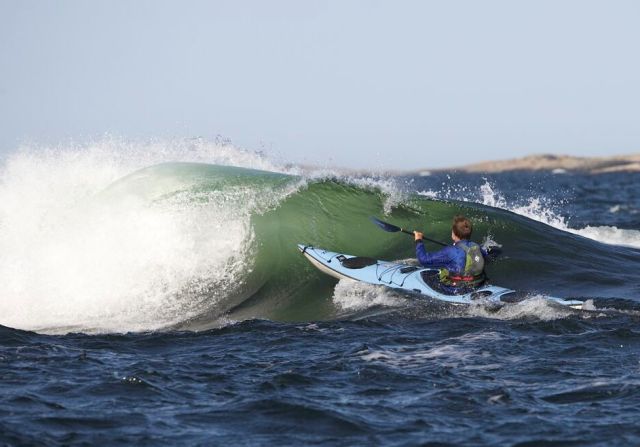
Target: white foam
[(350, 295), (536, 307), (623, 207), (76, 257), (354, 296), (454, 352), (611, 235)]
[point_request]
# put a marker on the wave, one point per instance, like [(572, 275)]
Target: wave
[(118, 237)]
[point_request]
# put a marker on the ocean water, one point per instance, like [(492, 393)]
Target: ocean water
[(152, 293)]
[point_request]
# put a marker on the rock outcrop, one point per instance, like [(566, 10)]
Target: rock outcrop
[(559, 163)]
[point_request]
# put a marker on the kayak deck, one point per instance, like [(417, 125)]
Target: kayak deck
[(407, 277)]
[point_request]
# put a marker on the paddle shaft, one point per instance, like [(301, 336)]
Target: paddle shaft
[(386, 226), (425, 238)]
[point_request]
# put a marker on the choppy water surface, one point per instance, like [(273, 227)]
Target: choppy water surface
[(153, 303)]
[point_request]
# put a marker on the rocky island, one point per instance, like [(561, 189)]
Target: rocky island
[(557, 163)]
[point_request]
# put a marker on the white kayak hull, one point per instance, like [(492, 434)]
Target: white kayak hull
[(408, 278)]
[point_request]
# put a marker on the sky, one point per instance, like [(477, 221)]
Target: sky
[(361, 84)]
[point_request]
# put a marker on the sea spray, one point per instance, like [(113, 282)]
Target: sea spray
[(536, 208), (91, 242)]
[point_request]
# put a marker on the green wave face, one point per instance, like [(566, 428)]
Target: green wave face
[(328, 214), (335, 215)]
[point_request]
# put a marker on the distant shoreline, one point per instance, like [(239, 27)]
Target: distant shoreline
[(553, 163)]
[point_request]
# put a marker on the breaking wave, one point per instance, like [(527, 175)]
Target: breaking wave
[(118, 236)]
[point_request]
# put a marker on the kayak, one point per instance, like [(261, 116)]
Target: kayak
[(411, 278)]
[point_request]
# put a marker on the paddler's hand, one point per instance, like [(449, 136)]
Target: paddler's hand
[(417, 235)]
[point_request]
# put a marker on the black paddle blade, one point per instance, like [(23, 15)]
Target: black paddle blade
[(384, 225)]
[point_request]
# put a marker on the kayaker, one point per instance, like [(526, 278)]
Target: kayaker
[(461, 264)]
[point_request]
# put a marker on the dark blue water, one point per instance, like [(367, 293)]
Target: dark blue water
[(416, 374), (392, 381)]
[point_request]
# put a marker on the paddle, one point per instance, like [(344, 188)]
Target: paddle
[(393, 229)]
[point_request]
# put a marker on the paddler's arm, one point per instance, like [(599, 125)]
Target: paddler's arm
[(439, 258)]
